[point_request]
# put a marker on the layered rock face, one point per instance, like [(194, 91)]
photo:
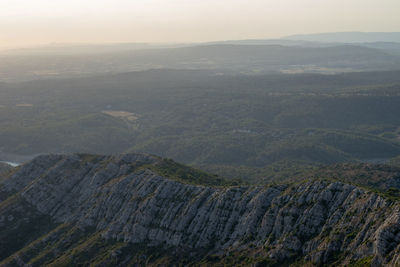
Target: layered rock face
[(123, 199)]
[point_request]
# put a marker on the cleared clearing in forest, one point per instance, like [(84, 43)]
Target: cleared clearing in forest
[(121, 114)]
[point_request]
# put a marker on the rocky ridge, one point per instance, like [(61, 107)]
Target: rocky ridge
[(124, 200)]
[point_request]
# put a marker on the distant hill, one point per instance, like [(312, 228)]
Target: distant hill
[(348, 37), (392, 48), (74, 49), (222, 58), (283, 42), (388, 47)]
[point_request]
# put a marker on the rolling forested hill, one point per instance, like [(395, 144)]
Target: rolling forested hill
[(208, 120)]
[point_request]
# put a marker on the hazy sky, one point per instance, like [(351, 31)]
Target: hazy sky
[(30, 22)]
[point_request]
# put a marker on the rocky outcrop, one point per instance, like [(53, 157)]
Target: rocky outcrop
[(124, 199), (4, 167)]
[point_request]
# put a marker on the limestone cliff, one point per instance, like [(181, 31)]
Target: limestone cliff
[(113, 210)]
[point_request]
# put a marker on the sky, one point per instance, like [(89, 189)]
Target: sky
[(26, 23)]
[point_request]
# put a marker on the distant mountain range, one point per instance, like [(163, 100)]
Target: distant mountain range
[(348, 37)]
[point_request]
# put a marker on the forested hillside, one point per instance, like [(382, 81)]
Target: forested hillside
[(210, 121)]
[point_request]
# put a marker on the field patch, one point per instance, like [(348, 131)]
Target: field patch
[(121, 114), (24, 105)]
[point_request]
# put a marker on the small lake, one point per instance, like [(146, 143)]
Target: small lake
[(14, 164)]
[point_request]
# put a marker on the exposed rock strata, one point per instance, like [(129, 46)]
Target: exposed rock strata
[(319, 221)]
